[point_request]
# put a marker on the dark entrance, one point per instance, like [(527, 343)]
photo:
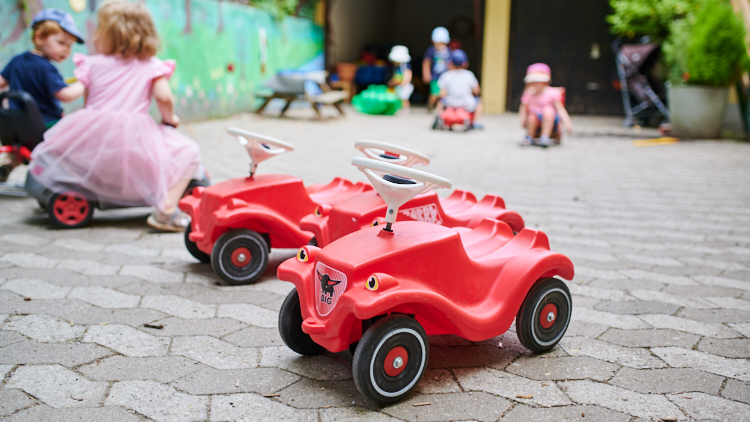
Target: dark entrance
[(574, 40)]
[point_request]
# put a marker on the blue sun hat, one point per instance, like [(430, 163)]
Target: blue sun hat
[(458, 58), (441, 35), (63, 19)]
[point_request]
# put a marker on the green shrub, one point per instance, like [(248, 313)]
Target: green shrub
[(633, 18), (709, 48)]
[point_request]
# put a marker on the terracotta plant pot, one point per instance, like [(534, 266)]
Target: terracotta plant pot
[(346, 71), (697, 111)]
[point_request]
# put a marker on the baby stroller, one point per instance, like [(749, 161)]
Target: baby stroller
[(21, 129), (634, 65)]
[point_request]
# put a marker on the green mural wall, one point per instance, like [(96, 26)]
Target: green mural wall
[(224, 51)]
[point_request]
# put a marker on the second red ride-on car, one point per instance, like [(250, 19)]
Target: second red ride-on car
[(381, 290), (460, 209)]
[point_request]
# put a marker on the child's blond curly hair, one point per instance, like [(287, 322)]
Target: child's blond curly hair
[(126, 29)]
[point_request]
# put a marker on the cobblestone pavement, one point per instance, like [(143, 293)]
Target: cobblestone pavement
[(661, 322)]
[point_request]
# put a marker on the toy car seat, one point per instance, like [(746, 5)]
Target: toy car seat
[(556, 132), (452, 116)]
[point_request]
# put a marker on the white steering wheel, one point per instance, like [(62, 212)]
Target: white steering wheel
[(398, 190), (259, 147), (390, 153)]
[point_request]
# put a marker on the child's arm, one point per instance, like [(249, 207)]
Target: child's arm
[(564, 116), (165, 101), (522, 114), (70, 93), (407, 77), (476, 90), (3, 83), (426, 71)]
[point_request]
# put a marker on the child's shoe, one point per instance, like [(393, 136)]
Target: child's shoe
[(174, 222), (477, 125), (545, 141), (527, 141)]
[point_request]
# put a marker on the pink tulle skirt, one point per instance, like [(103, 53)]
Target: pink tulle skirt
[(114, 157)]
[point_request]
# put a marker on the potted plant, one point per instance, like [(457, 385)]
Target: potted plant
[(705, 52)]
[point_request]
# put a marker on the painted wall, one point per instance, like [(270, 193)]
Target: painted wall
[(218, 49)]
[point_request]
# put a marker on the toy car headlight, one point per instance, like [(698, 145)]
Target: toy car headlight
[(302, 255), (322, 210), (378, 221), (372, 283)]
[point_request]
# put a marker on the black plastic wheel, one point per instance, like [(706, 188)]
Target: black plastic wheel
[(70, 210), (290, 327), (240, 256), (390, 359), (544, 316), (193, 248)]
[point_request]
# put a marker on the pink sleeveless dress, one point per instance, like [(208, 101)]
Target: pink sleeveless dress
[(112, 150)]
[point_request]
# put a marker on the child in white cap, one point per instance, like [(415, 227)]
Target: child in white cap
[(401, 80), (542, 105), (435, 62)]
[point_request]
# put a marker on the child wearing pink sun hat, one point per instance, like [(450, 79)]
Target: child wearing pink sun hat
[(542, 105)]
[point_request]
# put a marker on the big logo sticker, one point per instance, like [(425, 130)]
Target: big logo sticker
[(331, 284), (426, 213)]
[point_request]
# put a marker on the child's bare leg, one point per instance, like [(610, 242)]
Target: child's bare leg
[(531, 124), (174, 194), (478, 111), (548, 122)]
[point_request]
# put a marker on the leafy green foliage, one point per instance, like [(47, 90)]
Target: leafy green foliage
[(633, 18), (280, 9), (709, 48)]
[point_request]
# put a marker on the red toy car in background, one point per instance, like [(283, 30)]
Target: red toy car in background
[(236, 223), (454, 116), (381, 290)]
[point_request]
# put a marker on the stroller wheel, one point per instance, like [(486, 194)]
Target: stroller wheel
[(70, 210)]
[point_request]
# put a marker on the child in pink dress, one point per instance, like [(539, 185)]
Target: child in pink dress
[(113, 149), (542, 105)]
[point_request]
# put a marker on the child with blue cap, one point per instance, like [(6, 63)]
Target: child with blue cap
[(53, 35), (459, 87)]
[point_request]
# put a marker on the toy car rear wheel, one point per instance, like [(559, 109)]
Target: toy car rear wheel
[(290, 327), (240, 256), (544, 316), (390, 359), (70, 210), (193, 248)]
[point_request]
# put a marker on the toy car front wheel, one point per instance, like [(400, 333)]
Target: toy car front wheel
[(544, 316), (193, 248), (70, 210), (290, 327), (390, 359), (240, 256)]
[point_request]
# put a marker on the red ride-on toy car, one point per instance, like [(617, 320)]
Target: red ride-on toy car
[(453, 116), (381, 290), (460, 209), (235, 223)]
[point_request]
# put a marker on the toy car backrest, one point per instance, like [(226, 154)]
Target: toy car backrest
[(562, 92), (21, 125)]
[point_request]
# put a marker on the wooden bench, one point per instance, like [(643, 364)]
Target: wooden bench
[(291, 87)]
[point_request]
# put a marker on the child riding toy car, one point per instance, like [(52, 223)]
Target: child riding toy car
[(235, 223), (381, 290), (454, 116), (460, 209)]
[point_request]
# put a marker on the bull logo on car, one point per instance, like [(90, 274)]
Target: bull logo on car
[(330, 285), (426, 213)]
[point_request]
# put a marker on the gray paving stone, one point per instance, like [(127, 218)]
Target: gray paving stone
[(631, 284), (252, 407), (224, 295), (66, 354), (730, 303), (564, 368), (702, 291), (152, 274), (13, 400), (646, 406), (637, 307), (178, 306), (457, 406), (127, 340), (564, 414), (157, 401), (44, 413), (667, 380), (131, 250), (230, 381), (625, 322), (44, 328), (320, 367), (658, 278), (23, 239), (35, 289), (723, 282), (742, 328), (251, 314), (667, 298), (255, 337), (214, 352), (732, 348), (4, 369), (77, 245), (650, 338), (28, 260), (88, 267), (309, 394), (632, 357), (104, 297), (683, 358), (715, 315), (585, 329), (599, 293), (216, 327), (57, 386), (510, 386), (737, 390), (67, 278), (690, 326), (438, 381), (353, 414), (471, 356), (163, 369), (704, 406)]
